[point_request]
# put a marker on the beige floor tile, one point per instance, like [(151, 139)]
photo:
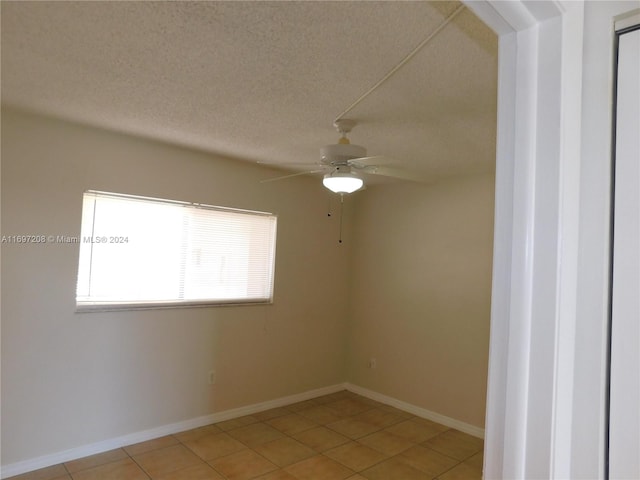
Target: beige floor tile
[(236, 423), (379, 417), (476, 461), (215, 445), (243, 465), (455, 444), (95, 460), (352, 428), (197, 472), (355, 456), (276, 475), (319, 414), (292, 423), (121, 470), (255, 434), (351, 394), (165, 460), (273, 413), (348, 406), (154, 444), (368, 401), (294, 407), (386, 443), (320, 438), (319, 468), (397, 411), (284, 451), (394, 469), (429, 423), (462, 472), (427, 460), (196, 433), (413, 431), (48, 473), (332, 397)]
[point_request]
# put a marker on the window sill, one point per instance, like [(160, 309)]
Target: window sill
[(110, 307)]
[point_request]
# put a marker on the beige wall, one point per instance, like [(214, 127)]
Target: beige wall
[(421, 288), (412, 277), (72, 379)]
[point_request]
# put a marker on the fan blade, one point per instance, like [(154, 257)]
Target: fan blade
[(292, 175), (366, 161), (395, 173), (292, 164)]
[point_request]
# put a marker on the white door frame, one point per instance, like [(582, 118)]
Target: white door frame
[(531, 373), (624, 415)]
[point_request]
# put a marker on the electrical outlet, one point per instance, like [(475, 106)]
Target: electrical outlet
[(212, 377), (373, 363)]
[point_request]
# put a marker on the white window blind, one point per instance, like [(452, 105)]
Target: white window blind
[(144, 252)]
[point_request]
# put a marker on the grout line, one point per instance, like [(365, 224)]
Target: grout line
[(134, 461)]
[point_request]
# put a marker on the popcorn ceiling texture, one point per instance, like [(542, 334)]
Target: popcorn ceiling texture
[(262, 80)]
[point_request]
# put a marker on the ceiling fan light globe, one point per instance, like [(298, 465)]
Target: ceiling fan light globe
[(342, 182)]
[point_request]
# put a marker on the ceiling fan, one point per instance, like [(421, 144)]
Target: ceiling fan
[(345, 164)]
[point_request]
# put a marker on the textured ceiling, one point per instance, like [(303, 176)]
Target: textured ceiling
[(263, 81)]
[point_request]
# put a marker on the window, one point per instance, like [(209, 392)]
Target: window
[(140, 252)]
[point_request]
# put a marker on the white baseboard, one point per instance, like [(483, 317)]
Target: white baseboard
[(103, 446), (417, 411), (122, 441)]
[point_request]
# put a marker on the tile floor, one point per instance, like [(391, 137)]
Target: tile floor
[(337, 436)]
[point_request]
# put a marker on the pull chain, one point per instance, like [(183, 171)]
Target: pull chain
[(329, 205), (341, 209)]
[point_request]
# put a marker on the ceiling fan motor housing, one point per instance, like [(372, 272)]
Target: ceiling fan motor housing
[(340, 153)]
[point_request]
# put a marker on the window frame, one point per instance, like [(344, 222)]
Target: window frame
[(126, 305)]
